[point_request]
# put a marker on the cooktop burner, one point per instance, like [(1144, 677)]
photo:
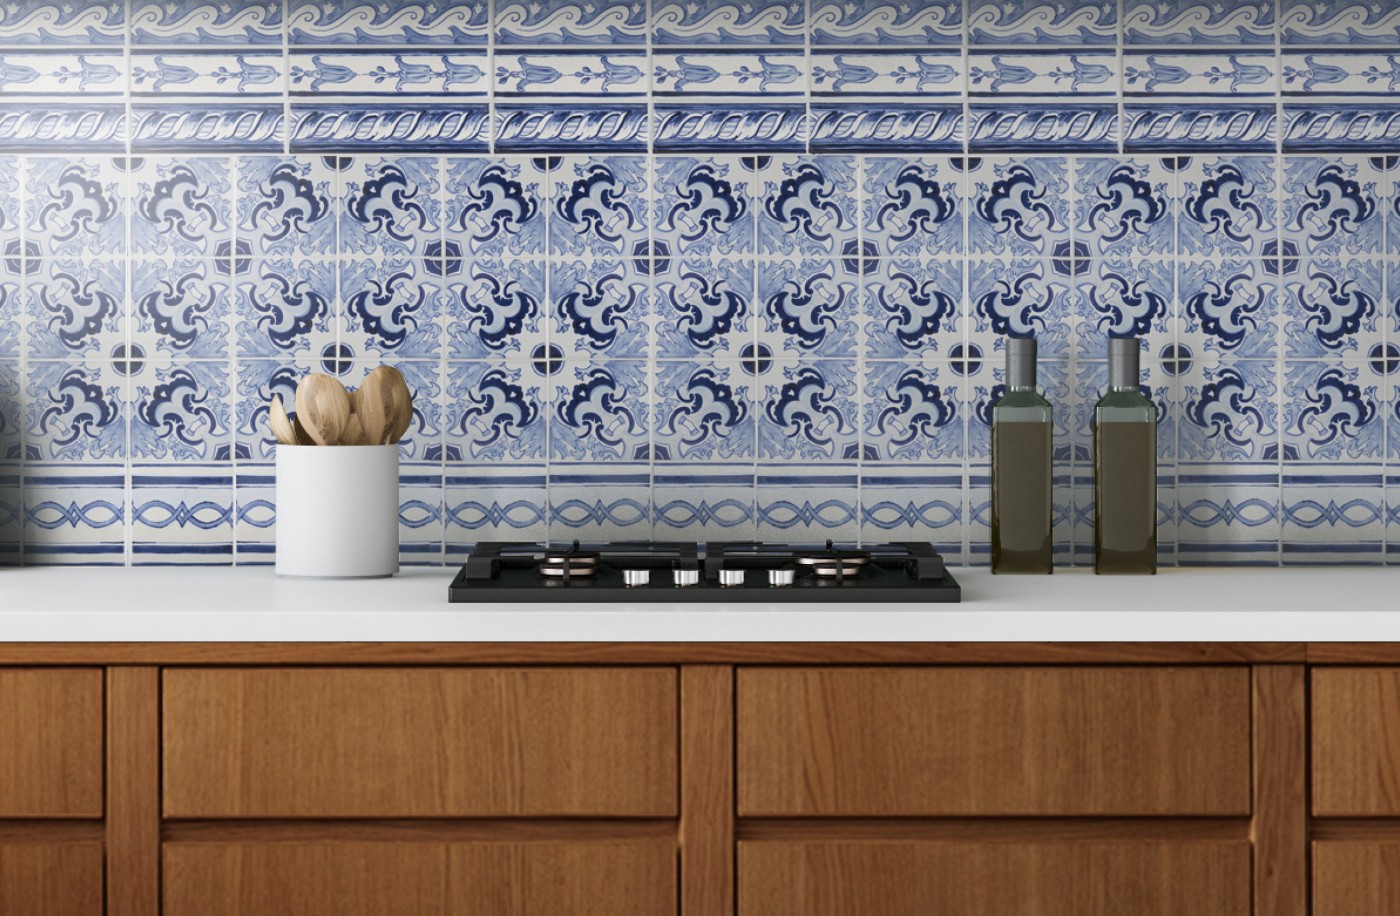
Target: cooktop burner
[(638, 572)]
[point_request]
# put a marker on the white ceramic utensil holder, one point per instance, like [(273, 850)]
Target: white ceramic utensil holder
[(337, 511)]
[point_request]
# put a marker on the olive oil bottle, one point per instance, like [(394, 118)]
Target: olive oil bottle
[(1021, 453), (1125, 468)]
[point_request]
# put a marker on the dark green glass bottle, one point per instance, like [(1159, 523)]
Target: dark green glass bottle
[(1021, 452), (1125, 468)]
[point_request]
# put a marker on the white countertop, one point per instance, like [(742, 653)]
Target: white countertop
[(252, 605)]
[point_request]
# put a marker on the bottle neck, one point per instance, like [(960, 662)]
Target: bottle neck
[(1123, 367)]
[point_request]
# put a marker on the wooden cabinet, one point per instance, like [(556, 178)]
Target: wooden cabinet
[(1356, 742), (1351, 878), (420, 743), (50, 743), (694, 780), (994, 741), (39, 878), (1100, 878), (420, 878)]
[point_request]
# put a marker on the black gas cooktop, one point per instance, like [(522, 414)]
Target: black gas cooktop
[(508, 571)]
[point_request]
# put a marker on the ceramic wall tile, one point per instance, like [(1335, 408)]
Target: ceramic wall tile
[(1022, 22), (805, 503), (1333, 513), (609, 22), (1338, 22), (913, 207), (595, 503), (184, 22), (1331, 412), (1229, 514), (726, 22), (705, 410), (182, 515), (75, 516), (609, 243), (41, 22), (1244, 22), (911, 308), (497, 412), (338, 22), (704, 502), (885, 23), (599, 411), (494, 503), (599, 206)]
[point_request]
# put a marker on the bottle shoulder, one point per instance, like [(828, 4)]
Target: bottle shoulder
[(1021, 397)]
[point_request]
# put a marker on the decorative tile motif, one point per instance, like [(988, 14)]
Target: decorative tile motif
[(325, 22), (698, 269), (728, 22), (882, 22), (38, 22), (360, 73), (1244, 22), (162, 22), (1041, 22), (569, 22)]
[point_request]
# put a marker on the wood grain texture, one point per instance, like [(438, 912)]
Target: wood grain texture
[(50, 742), (993, 741), (133, 791), (420, 742), (51, 879), (645, 653), (422, 879), (707, 790), (1028, 879), (1356, 741), (1356, 878), (1353, 653), (1280, 828)]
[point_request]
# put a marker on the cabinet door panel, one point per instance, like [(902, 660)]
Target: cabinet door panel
[(994, 741), (1355, 877), (420, 742), (1143, 878), (1356, 741), (50, 742), (425, 879), (51, 879)]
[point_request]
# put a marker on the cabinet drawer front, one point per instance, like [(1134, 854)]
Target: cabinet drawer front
[(994, 741), (425, 879), (419, 742), (51, 879), (1144, 878), (50, 742), (1355, 877), (1356, 741)]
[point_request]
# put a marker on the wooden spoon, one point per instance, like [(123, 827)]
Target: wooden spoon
[(282, 429), (401, 411), (303, 437), (323, 407), (354, 434), (375, 401)]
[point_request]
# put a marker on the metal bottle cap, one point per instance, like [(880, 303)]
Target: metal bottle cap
[(1020, 362), (1123, 367)]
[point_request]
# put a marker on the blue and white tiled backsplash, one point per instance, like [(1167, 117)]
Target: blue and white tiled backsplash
[(698, 269)]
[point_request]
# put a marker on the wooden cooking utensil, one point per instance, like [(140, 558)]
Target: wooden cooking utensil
[(354, 434), (323, 407), (401, 411), (375, 399), (281, 425), (303, 437)]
